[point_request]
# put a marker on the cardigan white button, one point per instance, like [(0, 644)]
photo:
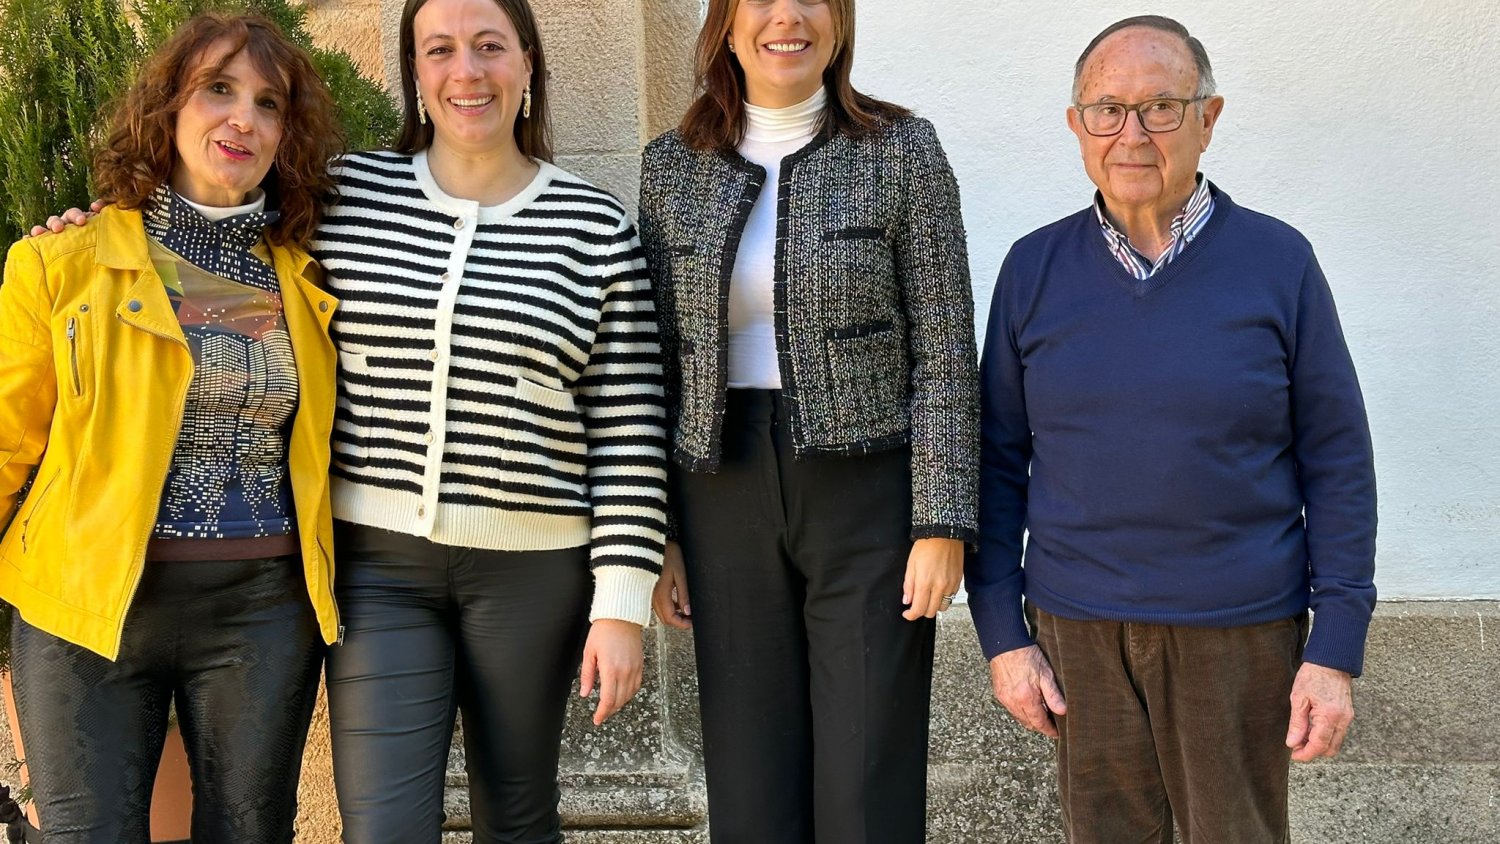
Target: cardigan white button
[(445, 277), (421, 511), (459, 223), (433, 355)]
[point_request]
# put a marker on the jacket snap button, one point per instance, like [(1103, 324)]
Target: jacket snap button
[(134, 306), (323, 306), (83, 309)]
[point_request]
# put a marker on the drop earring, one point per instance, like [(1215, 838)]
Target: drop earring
[(526, 101), (421, 109)]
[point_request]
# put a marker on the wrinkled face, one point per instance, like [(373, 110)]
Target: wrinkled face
[(471, 70), (1136, 168), (783, 46), (227, 133)]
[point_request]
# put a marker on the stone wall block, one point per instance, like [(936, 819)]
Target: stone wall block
[(1431, 685)]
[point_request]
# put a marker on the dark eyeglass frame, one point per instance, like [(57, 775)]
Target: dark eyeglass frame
[(1183, 102)]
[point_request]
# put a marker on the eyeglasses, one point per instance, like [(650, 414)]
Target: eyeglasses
[(1163, 114)]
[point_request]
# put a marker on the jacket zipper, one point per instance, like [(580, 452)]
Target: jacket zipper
[(73, 354), (328, 564), (26, 525)]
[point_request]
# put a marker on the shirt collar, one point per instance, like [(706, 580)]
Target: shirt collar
[(1184, 227)]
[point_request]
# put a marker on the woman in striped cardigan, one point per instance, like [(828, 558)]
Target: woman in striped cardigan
[(499, 456), (498, 448)]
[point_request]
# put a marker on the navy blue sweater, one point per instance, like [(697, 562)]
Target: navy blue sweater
[(1191, 449)]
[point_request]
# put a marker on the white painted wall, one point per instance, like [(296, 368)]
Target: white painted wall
[(1373, 127)]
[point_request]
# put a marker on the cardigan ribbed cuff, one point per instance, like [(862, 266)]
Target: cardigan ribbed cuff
[(624, 593)]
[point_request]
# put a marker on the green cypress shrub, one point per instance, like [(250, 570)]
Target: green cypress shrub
[(62, 63)]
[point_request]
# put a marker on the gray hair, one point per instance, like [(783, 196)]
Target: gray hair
[(1162, 24)]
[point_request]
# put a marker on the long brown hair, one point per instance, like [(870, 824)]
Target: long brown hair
[(533, 134), (716, 119), (139, 152)]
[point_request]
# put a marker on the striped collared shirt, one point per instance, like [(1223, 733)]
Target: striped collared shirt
[(1185, 227)]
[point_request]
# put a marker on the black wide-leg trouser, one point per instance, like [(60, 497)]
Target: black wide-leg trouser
[(431, 630), (235, 644), (813, 689)]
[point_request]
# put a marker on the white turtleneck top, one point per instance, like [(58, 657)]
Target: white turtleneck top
[(771, 134)]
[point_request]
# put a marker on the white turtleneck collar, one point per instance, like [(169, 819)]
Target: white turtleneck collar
[(775, 125), (215, 213)]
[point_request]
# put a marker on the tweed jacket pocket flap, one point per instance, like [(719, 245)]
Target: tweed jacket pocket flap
[(864, 329), (866, 363), (854, 233)]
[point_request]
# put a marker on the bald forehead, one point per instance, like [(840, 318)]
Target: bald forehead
[(1137, 55)]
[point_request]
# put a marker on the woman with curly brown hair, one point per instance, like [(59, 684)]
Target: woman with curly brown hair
[(167, 377)]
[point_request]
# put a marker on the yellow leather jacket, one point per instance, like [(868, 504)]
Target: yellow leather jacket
[(94, 371)]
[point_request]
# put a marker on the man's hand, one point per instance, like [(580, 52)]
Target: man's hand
[(1322, 707), (934, 569), (612, 657), (670, 597), (1024, 684)]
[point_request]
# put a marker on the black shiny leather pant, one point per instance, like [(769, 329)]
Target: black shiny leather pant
[(235, 644), (432, 629)]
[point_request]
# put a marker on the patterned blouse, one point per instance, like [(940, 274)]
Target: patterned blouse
[(229, 473)]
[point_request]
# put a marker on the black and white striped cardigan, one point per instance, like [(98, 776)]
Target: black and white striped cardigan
[(499, 373)]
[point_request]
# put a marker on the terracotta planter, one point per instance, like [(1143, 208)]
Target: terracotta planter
[(171, 798)]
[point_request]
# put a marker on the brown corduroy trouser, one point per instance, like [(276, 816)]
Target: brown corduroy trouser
[(1167, 722)]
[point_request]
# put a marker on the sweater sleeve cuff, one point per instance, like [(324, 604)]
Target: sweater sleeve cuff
[(624, 593), (969, 535), (999, 620), (1338, 642)]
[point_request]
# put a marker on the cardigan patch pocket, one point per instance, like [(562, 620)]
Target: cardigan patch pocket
[(546, 447), (351, 425), (867, 369)]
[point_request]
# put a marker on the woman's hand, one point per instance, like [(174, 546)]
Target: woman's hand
[(670, 597), (72, 216), (612, 657), (934, 569)]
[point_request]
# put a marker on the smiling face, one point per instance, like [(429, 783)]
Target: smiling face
[(1136, 170), (227, 133), (783, 46), (471, 70)]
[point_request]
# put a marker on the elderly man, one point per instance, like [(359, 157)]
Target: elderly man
[(1171, 412)]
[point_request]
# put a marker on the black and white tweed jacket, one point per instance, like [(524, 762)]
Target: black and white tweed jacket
[(874, 308)]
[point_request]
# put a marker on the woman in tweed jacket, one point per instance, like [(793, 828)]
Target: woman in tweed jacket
[(811, 275)]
